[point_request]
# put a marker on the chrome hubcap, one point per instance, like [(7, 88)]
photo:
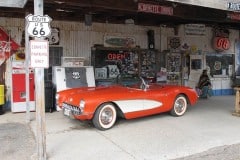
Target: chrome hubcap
[(106, 116), (179, 106)]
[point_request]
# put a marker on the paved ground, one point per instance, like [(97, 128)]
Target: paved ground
[(230, 152), (207, 131), (16, 141)]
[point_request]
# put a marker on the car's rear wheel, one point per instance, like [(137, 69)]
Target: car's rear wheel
[(179, 106), (105, 116)]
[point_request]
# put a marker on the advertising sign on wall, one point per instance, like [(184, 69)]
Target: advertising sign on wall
[(156, 9), (195, 29), (119, 41)]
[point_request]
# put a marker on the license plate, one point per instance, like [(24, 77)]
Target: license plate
[(66, 112)]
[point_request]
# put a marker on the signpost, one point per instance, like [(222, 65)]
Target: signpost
[(38, 27)]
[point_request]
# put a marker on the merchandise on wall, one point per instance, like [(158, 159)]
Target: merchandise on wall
[(173, 66), (110, 62), (148, 65)]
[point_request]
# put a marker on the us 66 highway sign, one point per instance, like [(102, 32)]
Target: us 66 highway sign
[(38, 26)]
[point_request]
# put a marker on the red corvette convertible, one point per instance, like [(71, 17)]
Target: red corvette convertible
[(103, 104)]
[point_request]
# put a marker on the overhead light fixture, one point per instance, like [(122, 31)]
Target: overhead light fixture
[(59, 2), (13, 3), (63, 10), (129, 21)]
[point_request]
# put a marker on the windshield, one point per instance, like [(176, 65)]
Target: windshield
[(132, 81), (128, 80)]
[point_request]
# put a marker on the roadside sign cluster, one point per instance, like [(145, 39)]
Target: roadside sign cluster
[(38, 27)]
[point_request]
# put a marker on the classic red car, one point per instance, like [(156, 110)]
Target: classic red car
[(103, 104)]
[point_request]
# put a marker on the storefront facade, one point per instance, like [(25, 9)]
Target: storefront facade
[(180, 52)]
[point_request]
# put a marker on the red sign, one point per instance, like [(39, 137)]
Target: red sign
[(116, 56), (7, 45), (156, 9), (234, 16), (221, 43)]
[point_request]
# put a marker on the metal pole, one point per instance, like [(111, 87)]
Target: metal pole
[(40, 98), (27, 73)]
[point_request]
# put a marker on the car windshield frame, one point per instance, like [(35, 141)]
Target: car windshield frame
[(131, 81)]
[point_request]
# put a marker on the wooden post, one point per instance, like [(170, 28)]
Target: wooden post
[(40, 98), (237, 102)]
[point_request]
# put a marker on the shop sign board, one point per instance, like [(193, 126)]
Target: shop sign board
[(195, 29), (119, 41), (216, 4), (233, 6), (234, 16), (156, 9), (38, 26), (39, 51)]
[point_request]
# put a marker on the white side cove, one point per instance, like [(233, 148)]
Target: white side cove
[(137, 105)]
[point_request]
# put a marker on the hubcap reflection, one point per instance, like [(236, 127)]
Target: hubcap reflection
[(106, 116)]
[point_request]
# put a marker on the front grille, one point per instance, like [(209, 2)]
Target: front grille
[(75, 110)]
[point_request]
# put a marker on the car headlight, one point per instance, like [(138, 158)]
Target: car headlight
[(82, 105)]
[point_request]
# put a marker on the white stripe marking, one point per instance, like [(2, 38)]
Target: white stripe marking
[(137, 105)]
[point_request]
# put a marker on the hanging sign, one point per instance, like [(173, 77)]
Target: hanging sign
[(155, 9), (38, 26), (233, 6)]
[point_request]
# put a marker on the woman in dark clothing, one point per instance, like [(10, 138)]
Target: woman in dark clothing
[(204, 85)]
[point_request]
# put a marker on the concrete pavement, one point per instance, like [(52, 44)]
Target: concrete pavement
[(207, 125)]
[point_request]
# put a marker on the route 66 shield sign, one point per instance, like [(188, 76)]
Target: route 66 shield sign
[(38, 26)]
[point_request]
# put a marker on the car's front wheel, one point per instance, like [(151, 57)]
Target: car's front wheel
[(179, 106), (105, 116)]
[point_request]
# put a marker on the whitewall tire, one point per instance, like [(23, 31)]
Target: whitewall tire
[(105, 116), (179, 106)]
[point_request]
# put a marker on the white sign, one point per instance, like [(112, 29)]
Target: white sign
[(39, 50), (38, 26), (234, 6), (195, 29), (54, 37), (217, 4)]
